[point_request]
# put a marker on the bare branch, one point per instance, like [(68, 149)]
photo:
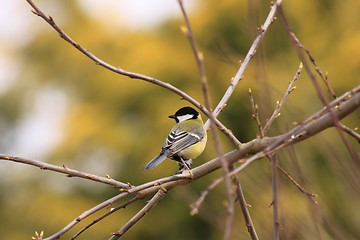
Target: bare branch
[(111, 201), (204, 83), (255, 114), (351, 132), (278, 106), (239, 75), (199, 57), (320, 93), (275, 190), (151, 204), (112, 210), (86, 214), (311, 126), (310, 195), (323, 76), (197, 204), (197, 54), (65, 170), (244, 207)]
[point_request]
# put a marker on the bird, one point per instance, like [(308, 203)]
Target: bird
[(186, 140)]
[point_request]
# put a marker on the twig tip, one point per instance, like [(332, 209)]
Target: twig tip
[(35, 12), (194, 211), (38, 236)]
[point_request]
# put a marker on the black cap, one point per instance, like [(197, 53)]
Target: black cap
[(185, 111)]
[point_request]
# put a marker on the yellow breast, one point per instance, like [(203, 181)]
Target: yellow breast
[(194, 150)]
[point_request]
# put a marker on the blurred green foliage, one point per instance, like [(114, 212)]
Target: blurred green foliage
[(114, 125)]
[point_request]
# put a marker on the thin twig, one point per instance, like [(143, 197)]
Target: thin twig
[(65, 170), (86, 214), (278, 106), (274, 115), (275, 190), (197, 204), (307, 128), (250, 54), (244, 207), (255, 114), (109, 202), (351, 132), (319, 91), (310, 195), (150, 205), (204, 84), (112, 210), (199, 57), (323, 76)]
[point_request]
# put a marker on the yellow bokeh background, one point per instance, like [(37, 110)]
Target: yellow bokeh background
[(112, 124)]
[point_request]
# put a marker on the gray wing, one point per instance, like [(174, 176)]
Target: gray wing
[(179, 140)]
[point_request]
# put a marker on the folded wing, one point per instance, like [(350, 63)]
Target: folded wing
[(180, 140)]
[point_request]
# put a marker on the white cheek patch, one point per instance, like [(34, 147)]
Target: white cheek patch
[(185, 117)]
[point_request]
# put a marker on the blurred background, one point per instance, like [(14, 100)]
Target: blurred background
[(57, 106)]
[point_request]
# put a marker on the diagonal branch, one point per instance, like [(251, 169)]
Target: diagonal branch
[(204, 84), (151, 204), (111, 201), (318, 122), (239, 75), (275, 194), (351, 132), (65, 170), (255, 114), (321, 95), (244, 208), (124, 205), (310, 195), (290, 88)]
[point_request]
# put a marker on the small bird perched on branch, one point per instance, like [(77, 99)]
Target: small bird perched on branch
[(186, 140)]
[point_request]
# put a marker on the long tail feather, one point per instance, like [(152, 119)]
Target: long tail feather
[(155, 161)]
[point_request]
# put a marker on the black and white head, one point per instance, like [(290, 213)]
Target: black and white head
[(185, 113)]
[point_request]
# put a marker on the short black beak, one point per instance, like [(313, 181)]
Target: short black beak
[(174, 117)]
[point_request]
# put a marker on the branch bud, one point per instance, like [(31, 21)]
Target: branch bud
[(184, 29)]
